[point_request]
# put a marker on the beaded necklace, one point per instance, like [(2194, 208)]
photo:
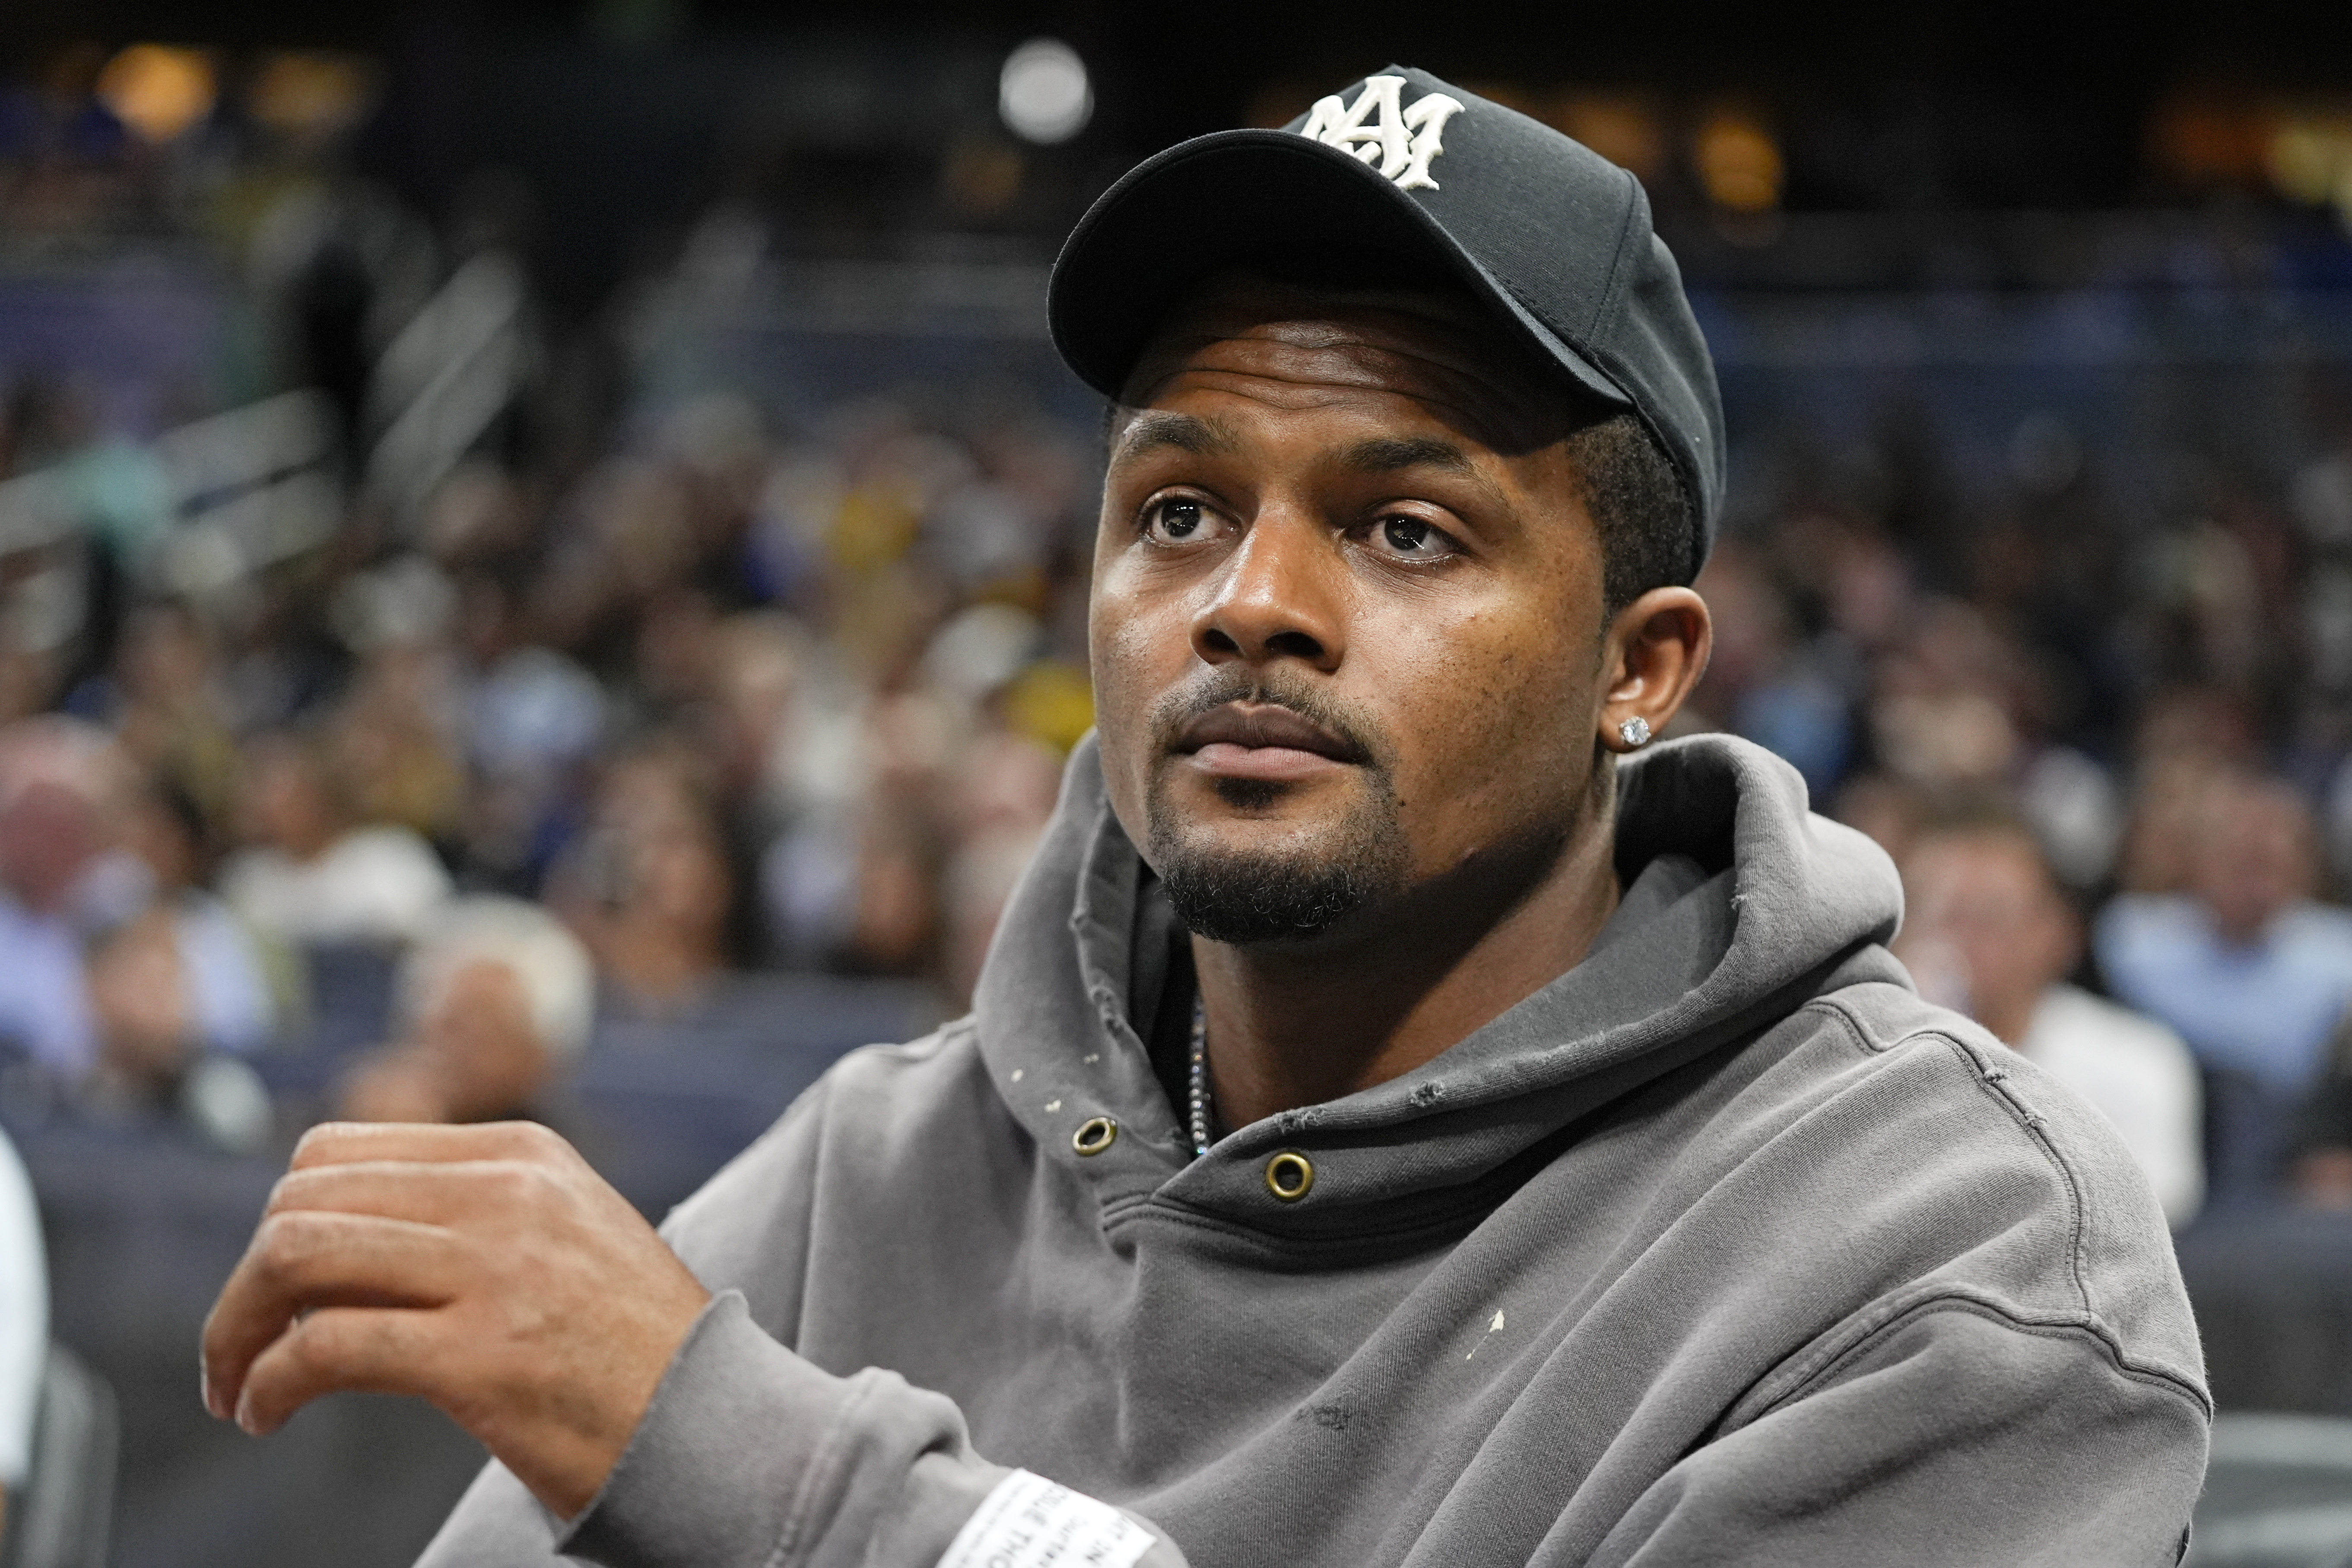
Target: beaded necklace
[(1202, 1113)]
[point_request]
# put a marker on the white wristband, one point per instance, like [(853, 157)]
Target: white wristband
[(1029, 1521)]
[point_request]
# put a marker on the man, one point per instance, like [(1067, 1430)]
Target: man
[(2253, 974), (62, 787), (495, 1003), (314, 874), (1987, 926), (1582, 1181)]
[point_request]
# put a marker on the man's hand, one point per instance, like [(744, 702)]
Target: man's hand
[(486, 1270)]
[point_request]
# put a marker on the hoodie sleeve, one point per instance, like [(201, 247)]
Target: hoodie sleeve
[(750, 1457), (1934, 1442)]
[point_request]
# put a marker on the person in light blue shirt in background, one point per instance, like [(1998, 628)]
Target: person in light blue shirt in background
[(2245, 965)]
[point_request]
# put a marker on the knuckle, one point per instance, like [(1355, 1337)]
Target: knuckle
[(320, 1344), (284, 1242), (538, 1141), (319, 1143), (511, 1183), (288, 1191)]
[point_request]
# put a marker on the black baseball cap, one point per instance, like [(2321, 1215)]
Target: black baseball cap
[(1412, 180)]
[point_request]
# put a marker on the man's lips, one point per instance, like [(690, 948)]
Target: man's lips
[(1262, 741)]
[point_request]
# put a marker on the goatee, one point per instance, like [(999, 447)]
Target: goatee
[(1244, 898)]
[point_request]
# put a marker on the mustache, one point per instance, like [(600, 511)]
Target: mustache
[(1278, 689)]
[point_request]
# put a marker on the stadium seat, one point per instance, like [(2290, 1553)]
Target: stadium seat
[(2278, 1494), (60, 1519)]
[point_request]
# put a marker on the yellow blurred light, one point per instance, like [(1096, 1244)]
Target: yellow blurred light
[(2308, 159), (1739, 164), (1053, 702), (305, 92), (157, 91), (1620, 127), (2302, 162), (877, 524)]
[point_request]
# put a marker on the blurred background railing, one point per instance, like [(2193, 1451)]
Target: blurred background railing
[(543, 553)]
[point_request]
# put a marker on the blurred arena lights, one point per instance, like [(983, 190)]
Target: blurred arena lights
[(2299, 149), (1738, 162), (2309, 159), (1043, 93), (1621, 127), (305, 92), (157, 91)]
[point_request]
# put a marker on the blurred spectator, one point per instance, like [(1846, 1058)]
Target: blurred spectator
[(170, 712), (23, 1322), (2241, 961), (59, 813), (493, 1005), (1891, 810), (314, 874), (648, 887), (172, 983), (2322, 1170), (1986, 931), (230, 1001), (1000, 803), (1763, 683)]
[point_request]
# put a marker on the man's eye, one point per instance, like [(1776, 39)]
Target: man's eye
[(1412, 539), (1175, 521)]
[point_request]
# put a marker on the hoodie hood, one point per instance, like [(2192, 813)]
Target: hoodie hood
[(1739, 906)]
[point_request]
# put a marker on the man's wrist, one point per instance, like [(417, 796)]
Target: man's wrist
[(691, 1485)]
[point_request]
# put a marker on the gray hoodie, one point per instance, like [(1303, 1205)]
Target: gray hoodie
[(1724, 1247)]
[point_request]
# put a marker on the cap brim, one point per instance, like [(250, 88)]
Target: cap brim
[(1272, 199)]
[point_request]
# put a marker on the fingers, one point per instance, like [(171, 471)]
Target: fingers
[(368, 1350), (304, 1261), (346, 1142), (443, 1194)]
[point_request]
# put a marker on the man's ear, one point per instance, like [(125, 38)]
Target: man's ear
[(1653, 652)]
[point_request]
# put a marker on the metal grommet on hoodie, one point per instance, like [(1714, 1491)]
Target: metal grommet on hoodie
[(1289, 1176), (1094, 1135)]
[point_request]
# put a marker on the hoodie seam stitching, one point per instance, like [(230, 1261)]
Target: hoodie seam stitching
[(819, 1473), (1880, 1326), (2035, 1128), (2030, 1123)]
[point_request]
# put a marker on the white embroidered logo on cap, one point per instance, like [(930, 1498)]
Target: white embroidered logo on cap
[(1402, 141)]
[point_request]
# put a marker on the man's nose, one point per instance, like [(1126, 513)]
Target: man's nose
[(1280, 596)]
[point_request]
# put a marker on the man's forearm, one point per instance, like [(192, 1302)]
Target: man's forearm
[(749, 1455)]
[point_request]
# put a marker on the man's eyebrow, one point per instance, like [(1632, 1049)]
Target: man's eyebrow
[(1185, 432), (1392, 453)]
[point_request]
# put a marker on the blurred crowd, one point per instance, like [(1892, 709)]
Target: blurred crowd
[(394, 701), (426, 640), (2109, 754), (718, 701), (562, 706)]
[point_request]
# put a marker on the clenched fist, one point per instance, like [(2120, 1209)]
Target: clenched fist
[(485, 1269)]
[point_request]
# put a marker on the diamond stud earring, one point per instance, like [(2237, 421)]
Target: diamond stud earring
[(1635, 733)]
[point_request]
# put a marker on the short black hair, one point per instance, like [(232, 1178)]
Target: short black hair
[(1638, 503)]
